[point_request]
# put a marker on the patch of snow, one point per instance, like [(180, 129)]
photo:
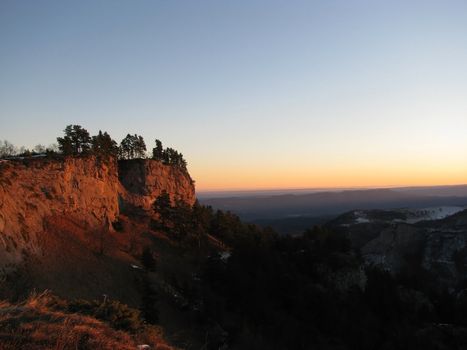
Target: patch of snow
[(361, 217), (136, 267), (225, 256), (435, 213), (443, 324), (361, 220)]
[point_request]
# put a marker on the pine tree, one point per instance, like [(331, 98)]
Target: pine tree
[(140, 147), (163, 206), (76, 141), (147, 258), (103, 145), (132, 146), (158, 151), (126, 147), (182, 222)]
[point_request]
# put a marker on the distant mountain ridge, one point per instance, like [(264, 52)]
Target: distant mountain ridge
[(290, 212), (444, 190), (333, 203)]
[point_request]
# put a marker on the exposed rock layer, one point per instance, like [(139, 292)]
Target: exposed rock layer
[(436, 246), (33, 190), (84, 190), (144, 180)]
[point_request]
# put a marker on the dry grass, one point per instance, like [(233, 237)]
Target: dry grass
[(40, 323)]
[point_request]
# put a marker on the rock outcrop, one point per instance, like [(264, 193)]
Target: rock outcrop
[(142, 181), (439, 247), (85, 190), (35, 189)]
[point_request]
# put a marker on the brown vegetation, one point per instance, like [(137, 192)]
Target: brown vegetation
[(45, 322)]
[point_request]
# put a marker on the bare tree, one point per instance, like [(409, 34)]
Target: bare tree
[(39, 148), (7, 149)]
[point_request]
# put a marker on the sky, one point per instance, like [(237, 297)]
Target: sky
[(255, 94)]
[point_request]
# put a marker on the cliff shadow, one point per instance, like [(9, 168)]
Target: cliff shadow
[(132, 175)]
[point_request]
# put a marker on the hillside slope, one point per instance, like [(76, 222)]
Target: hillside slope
[(46, 322), (84, 190), (33, 190), (57, 219)]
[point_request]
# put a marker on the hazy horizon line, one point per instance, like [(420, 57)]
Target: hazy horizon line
[(343, 188)]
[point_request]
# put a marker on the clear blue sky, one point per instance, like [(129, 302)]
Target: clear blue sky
[(256, 94)]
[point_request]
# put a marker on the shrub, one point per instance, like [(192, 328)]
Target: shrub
[(118, 315), (118, 226)]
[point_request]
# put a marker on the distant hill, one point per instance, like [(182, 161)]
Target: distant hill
[(447, 190), (444, 191), (290, 213)]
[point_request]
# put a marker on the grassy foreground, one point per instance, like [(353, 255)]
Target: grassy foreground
[(44, 321)]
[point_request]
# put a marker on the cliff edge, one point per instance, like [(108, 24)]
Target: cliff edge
[(31, 191), (83, 190), (142, 181)]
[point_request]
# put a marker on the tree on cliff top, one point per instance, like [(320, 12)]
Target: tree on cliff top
[(158, 151), (76, 140), (132, 146), (103, 145), (140, 147), (168, 156)]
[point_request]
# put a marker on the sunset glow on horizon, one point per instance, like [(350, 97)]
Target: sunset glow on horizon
[(231, 180), (255, 94)]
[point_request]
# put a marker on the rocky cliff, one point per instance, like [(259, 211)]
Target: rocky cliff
[(83, 190), (31, 191), (142, 181), (398, 242)]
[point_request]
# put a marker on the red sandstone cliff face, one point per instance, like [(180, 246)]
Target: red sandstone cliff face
[(84, 191), (31, 191), (142, 181)]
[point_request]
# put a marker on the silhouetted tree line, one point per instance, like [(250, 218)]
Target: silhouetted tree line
[(168, 155), (77, 141), (178, 218), (192, 224), (287, 293), (309, 292)]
